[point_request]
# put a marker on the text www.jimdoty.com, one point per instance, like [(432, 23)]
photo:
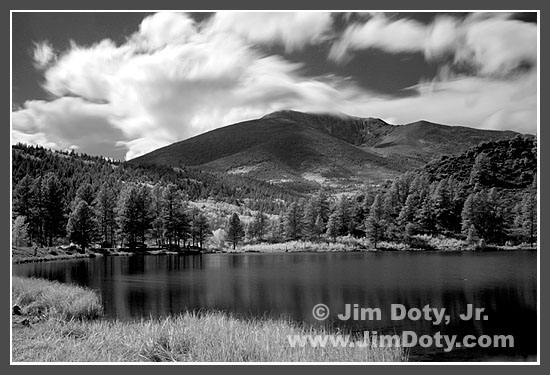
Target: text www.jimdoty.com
[(406, 339)]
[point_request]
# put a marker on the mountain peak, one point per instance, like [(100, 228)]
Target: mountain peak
[(288, 145), (290, 114)]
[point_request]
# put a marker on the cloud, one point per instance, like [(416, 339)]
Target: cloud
[(490, 43), (43, 55), (499, 46), (167, 83), (479, 102), (68, 123), (402, 35), (176, 78), (165, 28), (291, 30)]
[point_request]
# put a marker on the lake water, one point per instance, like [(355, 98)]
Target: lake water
[(289, 285)]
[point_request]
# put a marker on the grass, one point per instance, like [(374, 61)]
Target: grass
[(43, 254), (347, 243), (67, 335), (26, 254), (50, 299)]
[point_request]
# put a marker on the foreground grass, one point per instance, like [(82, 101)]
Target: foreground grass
[(53, 300), (67, 334)]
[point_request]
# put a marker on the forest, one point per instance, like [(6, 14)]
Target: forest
[(487, 195)]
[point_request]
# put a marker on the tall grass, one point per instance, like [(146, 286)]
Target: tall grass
[(210, 337), (50, 299), (189, 337)]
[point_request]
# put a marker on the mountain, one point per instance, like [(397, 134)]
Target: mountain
[(302, 150)]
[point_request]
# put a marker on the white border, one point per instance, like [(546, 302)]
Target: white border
[(289, 363)]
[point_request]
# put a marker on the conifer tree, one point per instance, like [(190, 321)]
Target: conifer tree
[(82, 225), (134, 214), (53, 204), (234, 230), (292, 222), (375, 225), (105, 205)]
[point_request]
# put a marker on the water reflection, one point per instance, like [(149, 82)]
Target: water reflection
[(291, 284)]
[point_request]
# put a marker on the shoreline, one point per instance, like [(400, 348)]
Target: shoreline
[(264, 249)]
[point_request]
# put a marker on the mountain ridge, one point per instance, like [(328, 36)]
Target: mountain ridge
[(305, 149)]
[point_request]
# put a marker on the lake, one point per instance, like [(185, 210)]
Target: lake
[(290, 284)]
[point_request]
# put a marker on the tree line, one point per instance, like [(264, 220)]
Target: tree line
[(486, 195), (467, 197), (127, 218)]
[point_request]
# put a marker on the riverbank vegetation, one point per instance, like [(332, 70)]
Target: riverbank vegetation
[(486, 196), (61, 323)]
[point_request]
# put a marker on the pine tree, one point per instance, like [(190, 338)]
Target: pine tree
[(426, 218), (53, 202), (333, 226), (443, 207), (23, 197), (319, 227), (311, 213), (494, 218), (375, 225), (157, 211), (36, 213), (193, 214), (133, 214), (324, 209), (292, 222), (409, 210), (357, 216), (339, 220), (392, 202), (86, 193), (201, 228), (82, 225), (105, 205), (234, 230), (174, 219)]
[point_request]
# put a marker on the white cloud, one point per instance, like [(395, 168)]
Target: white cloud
[(402, 35), (67, 123), (499, 46), (166, 28), (291, 30), (491, 43), (479, 102), (43, 55), (174, 79)]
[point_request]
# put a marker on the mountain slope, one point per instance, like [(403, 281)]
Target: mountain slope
[(303, 149)]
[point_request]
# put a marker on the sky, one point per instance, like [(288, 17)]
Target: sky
[(124, 84)]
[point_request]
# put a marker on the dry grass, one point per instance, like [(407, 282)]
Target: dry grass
[(210, 337), (37, 297), (347, 243), (189, 337), (26, 254)]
